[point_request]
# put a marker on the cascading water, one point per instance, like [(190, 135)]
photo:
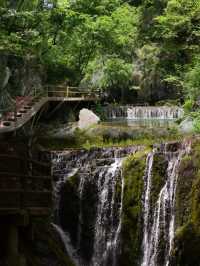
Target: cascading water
[(147, 189), (152, 112), (143, 112), (89, 194), (67, 243), (106, 227), (159, 220), (100, 185)]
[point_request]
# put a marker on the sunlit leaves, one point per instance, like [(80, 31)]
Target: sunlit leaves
[(192, 80)]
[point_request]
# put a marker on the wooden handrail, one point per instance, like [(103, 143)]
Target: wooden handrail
[(74, 92)]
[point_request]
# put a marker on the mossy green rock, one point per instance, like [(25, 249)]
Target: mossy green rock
[(186, 250), (134, 168)]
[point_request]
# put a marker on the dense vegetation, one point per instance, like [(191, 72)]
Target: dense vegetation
[(144, 48)]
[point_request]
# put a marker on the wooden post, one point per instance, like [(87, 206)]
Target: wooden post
[(67, 91), (15, 112), (15, 118), (14, 258)]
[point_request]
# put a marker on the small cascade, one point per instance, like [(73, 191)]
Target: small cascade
[(159, 220), (108, 215), (152, 112), (67, 243), (143, 112), (88, 203), (147, 189), (100, 182)]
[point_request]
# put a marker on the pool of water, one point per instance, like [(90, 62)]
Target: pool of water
[(140, 123)]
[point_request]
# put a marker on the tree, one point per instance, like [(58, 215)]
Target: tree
[(192, 80)]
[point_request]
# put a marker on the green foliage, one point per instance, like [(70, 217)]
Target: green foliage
[(197, 124), (70, 38), (178, 29), (188, 105), (96, 43), (192, 80), (116, 73), (150, 45)]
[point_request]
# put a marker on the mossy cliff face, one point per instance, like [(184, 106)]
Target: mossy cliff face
[(132, 223), (186, 250), (133, 172), (158, 176)]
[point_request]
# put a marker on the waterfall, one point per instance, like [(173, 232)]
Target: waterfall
[(100, 180), (159, 220), (143, 112), (147, 189), (67, 243), (88, 203), (152, 112), (106, 228)]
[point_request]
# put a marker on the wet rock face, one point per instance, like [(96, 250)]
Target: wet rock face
[(144, 213), (88, 197)]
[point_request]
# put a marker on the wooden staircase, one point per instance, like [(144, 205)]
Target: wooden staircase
[(27, 107), (25, 186)]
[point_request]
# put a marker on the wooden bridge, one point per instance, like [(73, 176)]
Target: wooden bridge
[(26, 107)]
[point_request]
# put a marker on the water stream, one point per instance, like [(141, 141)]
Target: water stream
[(143, 112), (159, 220), (101, 171), (93, 183)]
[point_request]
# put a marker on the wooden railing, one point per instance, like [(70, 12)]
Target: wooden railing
[(68, 92), (22, 105), (24, 184)]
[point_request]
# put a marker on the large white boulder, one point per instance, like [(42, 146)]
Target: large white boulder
[(187, 125), (87, 118)]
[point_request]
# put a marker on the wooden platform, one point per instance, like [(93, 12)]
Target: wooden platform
[(22, 114)]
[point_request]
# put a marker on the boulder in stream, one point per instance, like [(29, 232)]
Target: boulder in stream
[(187, 125), (87, 118)]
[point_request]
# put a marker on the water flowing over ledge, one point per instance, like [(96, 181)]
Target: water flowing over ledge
[(159, 220), (88, 203), (100, 183), (143, 112)]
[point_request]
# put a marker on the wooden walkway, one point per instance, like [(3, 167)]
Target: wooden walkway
[(30, 106)]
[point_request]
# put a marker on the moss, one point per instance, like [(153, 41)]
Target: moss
[(158, 176), (106, 136), (187, 236), (133, 170), (195, 204), (187, 246)]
